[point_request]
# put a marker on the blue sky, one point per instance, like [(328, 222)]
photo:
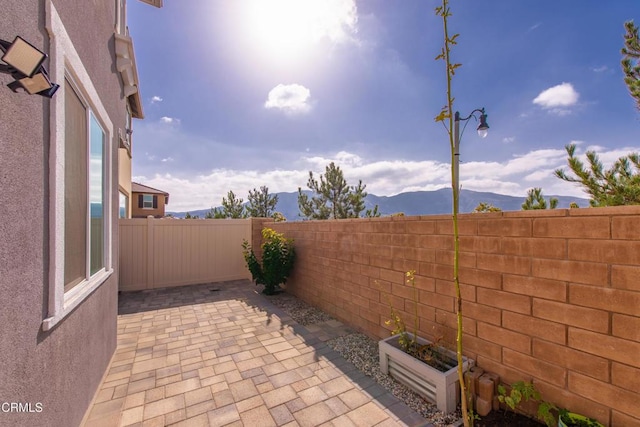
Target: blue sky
[(239, 94)]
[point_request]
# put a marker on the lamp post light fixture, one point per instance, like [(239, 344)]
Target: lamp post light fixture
[(23, 62), (483, 130)]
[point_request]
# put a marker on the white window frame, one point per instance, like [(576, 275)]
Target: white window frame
[(144, 202), (65, 63)]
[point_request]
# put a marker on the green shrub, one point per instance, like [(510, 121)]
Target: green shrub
[(526, 391), (278, 255)]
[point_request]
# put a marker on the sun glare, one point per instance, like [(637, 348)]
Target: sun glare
[(285, 28)]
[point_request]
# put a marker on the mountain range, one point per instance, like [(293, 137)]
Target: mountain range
[(415, 203)]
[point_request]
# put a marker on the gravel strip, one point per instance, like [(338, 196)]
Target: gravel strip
[(362, 351), (299, 310)]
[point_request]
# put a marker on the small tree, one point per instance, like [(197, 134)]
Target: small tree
[(334, 198), (446, 115), (486, 208), (535, 200), (631, 61), (278, 255), (215, 213), (232, 207), (618, 185), (372, 213), (261, 203)]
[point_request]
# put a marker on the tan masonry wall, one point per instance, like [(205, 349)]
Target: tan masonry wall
[(549, 296)]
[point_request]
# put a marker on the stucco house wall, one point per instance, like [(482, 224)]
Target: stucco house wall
[(56, 371)]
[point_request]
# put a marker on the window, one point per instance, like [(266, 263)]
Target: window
[(84, 191), (147, 201), (123, 208), (80, 182)]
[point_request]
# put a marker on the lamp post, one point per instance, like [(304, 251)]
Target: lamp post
[(483, 130)]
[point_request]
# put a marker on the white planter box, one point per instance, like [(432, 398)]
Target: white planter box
[(441, 388)]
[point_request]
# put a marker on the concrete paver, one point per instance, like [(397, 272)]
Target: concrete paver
[(222, 355)]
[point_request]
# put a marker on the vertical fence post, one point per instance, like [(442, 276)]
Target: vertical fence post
[(150, 253)]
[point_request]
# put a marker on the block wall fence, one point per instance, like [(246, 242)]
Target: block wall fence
[(549, 296)]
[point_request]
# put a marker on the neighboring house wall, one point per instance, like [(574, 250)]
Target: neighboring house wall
[(55, 345), (552, 296), (157, 253), (124, 181), (157, 206)]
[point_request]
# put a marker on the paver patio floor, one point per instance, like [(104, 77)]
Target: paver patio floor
[(221, 354)]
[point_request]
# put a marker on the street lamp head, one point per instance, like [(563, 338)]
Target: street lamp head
[(483, 127)]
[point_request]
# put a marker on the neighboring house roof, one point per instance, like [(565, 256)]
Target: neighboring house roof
[(139, 188)]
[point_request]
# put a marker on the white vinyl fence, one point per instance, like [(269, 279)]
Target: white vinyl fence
[(157, 253)]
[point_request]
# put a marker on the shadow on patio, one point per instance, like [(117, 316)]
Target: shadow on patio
[(222, 354)]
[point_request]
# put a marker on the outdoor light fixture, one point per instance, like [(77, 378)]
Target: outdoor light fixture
[(483, 127), (23, 62), (483, 130)]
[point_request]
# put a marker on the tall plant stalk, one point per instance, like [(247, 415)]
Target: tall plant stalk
[(446, 114)]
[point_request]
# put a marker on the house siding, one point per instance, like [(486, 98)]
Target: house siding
[(138, 212), (60, 369)]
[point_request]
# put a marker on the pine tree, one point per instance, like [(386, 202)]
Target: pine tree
[(334, 198), (618, 185), (232, 207), (261, 203), (215, 213), (631, 61), (535, 200)]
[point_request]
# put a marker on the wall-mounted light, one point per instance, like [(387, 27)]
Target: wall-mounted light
[(23, 62)]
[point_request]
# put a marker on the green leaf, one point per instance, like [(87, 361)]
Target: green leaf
[(442, 116)]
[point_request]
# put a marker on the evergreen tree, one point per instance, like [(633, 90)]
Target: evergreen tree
[(232, 207), (334, 198), (215, 213), (373, 213), (261, 203), (535, 200), (619, 185), (631, 61)]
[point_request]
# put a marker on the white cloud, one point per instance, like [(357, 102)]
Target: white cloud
[(155, 99), (556, 99), (170, 120), (508, 139), (535, 26), (601, 69), (596, 148), (513, 176), (291, 98)]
